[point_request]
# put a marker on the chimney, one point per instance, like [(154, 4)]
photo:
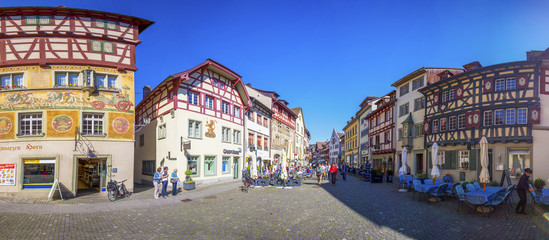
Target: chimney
[(472, 66), (146, 91)]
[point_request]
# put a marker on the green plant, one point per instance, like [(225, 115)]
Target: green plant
[(493, 183), (539, 183), (188, 178), (390, 172), (518, 175)]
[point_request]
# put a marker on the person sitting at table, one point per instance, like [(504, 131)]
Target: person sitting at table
[(522, 187)]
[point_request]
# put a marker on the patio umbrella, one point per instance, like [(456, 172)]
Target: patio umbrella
[(434, 154), (403, 167), (484, 175)]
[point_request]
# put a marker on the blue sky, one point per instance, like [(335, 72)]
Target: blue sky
[(325, 56)]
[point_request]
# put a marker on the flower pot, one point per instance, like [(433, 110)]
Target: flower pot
[(188, 186), (261, 182), (295, 182)]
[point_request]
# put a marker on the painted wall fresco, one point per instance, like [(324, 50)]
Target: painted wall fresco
[(62, 123), (120, 125), (7, 125), (65, 98)]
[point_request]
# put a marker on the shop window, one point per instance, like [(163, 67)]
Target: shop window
[(236, 136), (487, 118), (209, 165), (518, 161), (92, 124), (225, 167), (99, 23), (193, 98), (162, 131), (464, 158), (461, 121), (105, 81), (192, 164), (498, 117), (225, 107), (14, 80), (100, 46), (225, 134), (148, 167), (30, 124), (38, 173), (37, 20), (195, 129), (236, 112), (209, 102), (522, 115)]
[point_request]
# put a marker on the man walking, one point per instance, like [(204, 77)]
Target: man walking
[(343, 170), (522, 187), (319, 172)]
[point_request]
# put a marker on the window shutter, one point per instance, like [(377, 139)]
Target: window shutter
[(473, 160), (450, 160)]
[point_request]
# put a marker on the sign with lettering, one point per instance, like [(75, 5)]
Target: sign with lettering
[(17, 148), (7, 174), (228, 151)]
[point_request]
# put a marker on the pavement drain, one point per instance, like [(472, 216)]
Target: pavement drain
[(186, 200), (210, 197)]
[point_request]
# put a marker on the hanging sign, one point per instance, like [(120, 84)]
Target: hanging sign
[(7, 174)]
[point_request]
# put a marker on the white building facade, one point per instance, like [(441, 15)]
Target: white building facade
[(258, 126), (335, 146)]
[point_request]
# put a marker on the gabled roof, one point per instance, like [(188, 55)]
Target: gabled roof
[(418, 72)]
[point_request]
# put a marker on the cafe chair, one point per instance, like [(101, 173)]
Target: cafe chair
[(471, 188), (437, 181), (429, 181), (418, 188), (535, 197), (440, 192), (500, 200), (461, 195), (477, 185)]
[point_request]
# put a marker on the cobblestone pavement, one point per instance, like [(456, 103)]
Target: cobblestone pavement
[(350, 210)]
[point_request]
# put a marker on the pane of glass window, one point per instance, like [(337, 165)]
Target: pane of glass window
[(522, 116), (510, 116), (488, 118), (209, 165), (18, 80), (500, 85), (196, 129), (73, 80), (100, 81), (37, 173), (518, 161), (112, 82), (6, 81), (225, 166), (191, 129), (498, 115), (192, 164), (61, 79), (511, 84)]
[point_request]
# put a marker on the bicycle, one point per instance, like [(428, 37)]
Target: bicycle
[(246, 182), (116, 191)]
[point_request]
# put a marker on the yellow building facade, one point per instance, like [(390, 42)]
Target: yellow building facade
[(351, 143)]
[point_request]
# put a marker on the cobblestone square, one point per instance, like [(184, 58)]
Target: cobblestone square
[(349, 210)]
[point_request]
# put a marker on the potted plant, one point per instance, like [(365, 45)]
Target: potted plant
[(465, 165), (539, 184), (493, 183), (189, 183), (518, 175), (390, 173)]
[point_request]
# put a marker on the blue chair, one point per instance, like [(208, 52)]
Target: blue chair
[(502, 199), (461, 195), (428, 181), (477, 186), (449, 189), (440, 192), (471, 188), (437, 181), (408, 179), (535, 197)]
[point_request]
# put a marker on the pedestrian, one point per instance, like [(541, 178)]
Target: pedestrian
[(522, 187), (174, 180), (333, 172), (319, 173), (156, 181), (343, 170), (165, 182)]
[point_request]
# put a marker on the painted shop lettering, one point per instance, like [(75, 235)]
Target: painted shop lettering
[(13, 148), (31, 147)]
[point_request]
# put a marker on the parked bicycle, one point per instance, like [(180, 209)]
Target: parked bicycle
[(117, 190)]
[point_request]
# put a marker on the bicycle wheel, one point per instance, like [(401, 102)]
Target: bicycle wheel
[(126, 193), (112, 195)]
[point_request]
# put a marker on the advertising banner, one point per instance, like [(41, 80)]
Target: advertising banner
[(7, 174)]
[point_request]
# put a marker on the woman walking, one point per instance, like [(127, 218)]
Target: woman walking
[(174, 180), (156, 181), (165, 182)]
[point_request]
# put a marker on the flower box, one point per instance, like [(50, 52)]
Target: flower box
[(188, 186)]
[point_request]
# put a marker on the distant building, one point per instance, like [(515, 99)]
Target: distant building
[(366, 107), (351, 142), (258, 126), (335, 147), (381, 132), (299, 142)]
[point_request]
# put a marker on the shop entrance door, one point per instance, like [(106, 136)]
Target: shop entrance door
[(419, 162), (92, 176)]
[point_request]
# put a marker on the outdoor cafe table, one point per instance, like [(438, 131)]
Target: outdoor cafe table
[(480, 196), (431, 188)]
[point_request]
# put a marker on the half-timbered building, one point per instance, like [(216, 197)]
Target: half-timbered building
[(410, 110), (366, 107), (195, 122), (66, 98), (504, 103), (381, 132)]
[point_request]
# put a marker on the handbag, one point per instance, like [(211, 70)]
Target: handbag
[(173, 180)]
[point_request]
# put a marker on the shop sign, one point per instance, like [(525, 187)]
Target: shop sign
[(17, 148), (228, 151), (38, 161), (7, 174)]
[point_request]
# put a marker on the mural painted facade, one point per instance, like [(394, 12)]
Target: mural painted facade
[(67, 97)]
